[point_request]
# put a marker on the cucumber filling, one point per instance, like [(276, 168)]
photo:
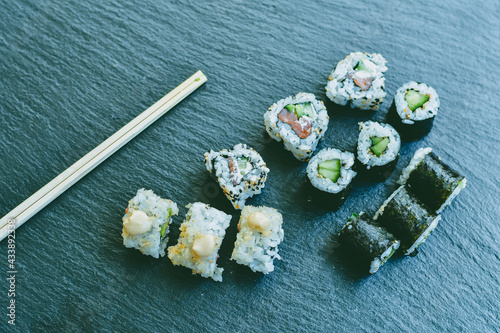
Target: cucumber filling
[(330, 169), (379, 144), (243, 165), (302, 109), (414, 99)]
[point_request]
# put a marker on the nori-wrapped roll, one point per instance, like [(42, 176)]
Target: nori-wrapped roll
[(431, 181), (331, 172), (369, 243), (377, 150), (413, 110), (406, 218)]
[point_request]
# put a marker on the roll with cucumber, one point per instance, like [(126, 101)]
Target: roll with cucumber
[(377, 149), (359, 80), (331, 173), (300, 121), (413, 110)]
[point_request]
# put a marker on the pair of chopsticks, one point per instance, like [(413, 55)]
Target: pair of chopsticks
[(87, 163)]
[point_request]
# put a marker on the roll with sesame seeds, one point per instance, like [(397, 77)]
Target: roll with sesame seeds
[(413, 110), (240, 172), (300, 121), (358, 80)]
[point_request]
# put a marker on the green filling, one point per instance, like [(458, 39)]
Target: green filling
[(376, 139), (415, 99), (163, 229), (303, 109), (361, 66), (379, 145), (242, 164), (165, 225), (330, 169)]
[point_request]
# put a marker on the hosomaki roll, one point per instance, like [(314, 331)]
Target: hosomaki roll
[(406, 218), (413, 110), (368, 243), (331, 173)]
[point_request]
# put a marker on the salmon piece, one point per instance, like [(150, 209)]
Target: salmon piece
[(302, 127), (362, 79), (234, 171)]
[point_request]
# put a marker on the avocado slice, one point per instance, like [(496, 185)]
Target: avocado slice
[(242, 164), (415, 99), (379, 148), (376, 139), (330, 174), (333, 165)]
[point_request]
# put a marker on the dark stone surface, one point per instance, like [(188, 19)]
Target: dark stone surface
[(74, 72)]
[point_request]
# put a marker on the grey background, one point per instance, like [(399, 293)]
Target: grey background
[(74, 72)]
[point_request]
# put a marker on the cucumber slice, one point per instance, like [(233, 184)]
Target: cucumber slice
[(330, 174), (308, 109), (333, 165), (163, 229), (379, 148), (290, 107), (242, 165), (364, 65), (299, 110), (415, 99), (303, 109), (376, 139)]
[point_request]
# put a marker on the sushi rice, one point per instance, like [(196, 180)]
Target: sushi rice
[(254, 247), (159, 213), (201, 222), (302, 149), (242, 184), (341, 88)]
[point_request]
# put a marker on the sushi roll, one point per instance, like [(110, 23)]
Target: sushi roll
[(259, 234), (370, 244), (146, 223), (413, 110), (358, 79), (407, 219), (331, 174), (300, 121), (378, 149), (201, 236), (240, 172), (431, 181)]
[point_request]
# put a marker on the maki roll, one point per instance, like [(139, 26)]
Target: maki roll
[(378, 148), (146, 223), (358, 79), (201, 236), (413, 110), (406, 218), (300, 121), (370, 244), (259, 234), (431, 181), (331, 174), (241, 172)]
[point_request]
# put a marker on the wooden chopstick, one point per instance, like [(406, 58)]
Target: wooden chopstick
[(87, 163)]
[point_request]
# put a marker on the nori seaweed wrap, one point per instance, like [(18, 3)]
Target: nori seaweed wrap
[(406, 218), (369, 243), (431, 181)]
